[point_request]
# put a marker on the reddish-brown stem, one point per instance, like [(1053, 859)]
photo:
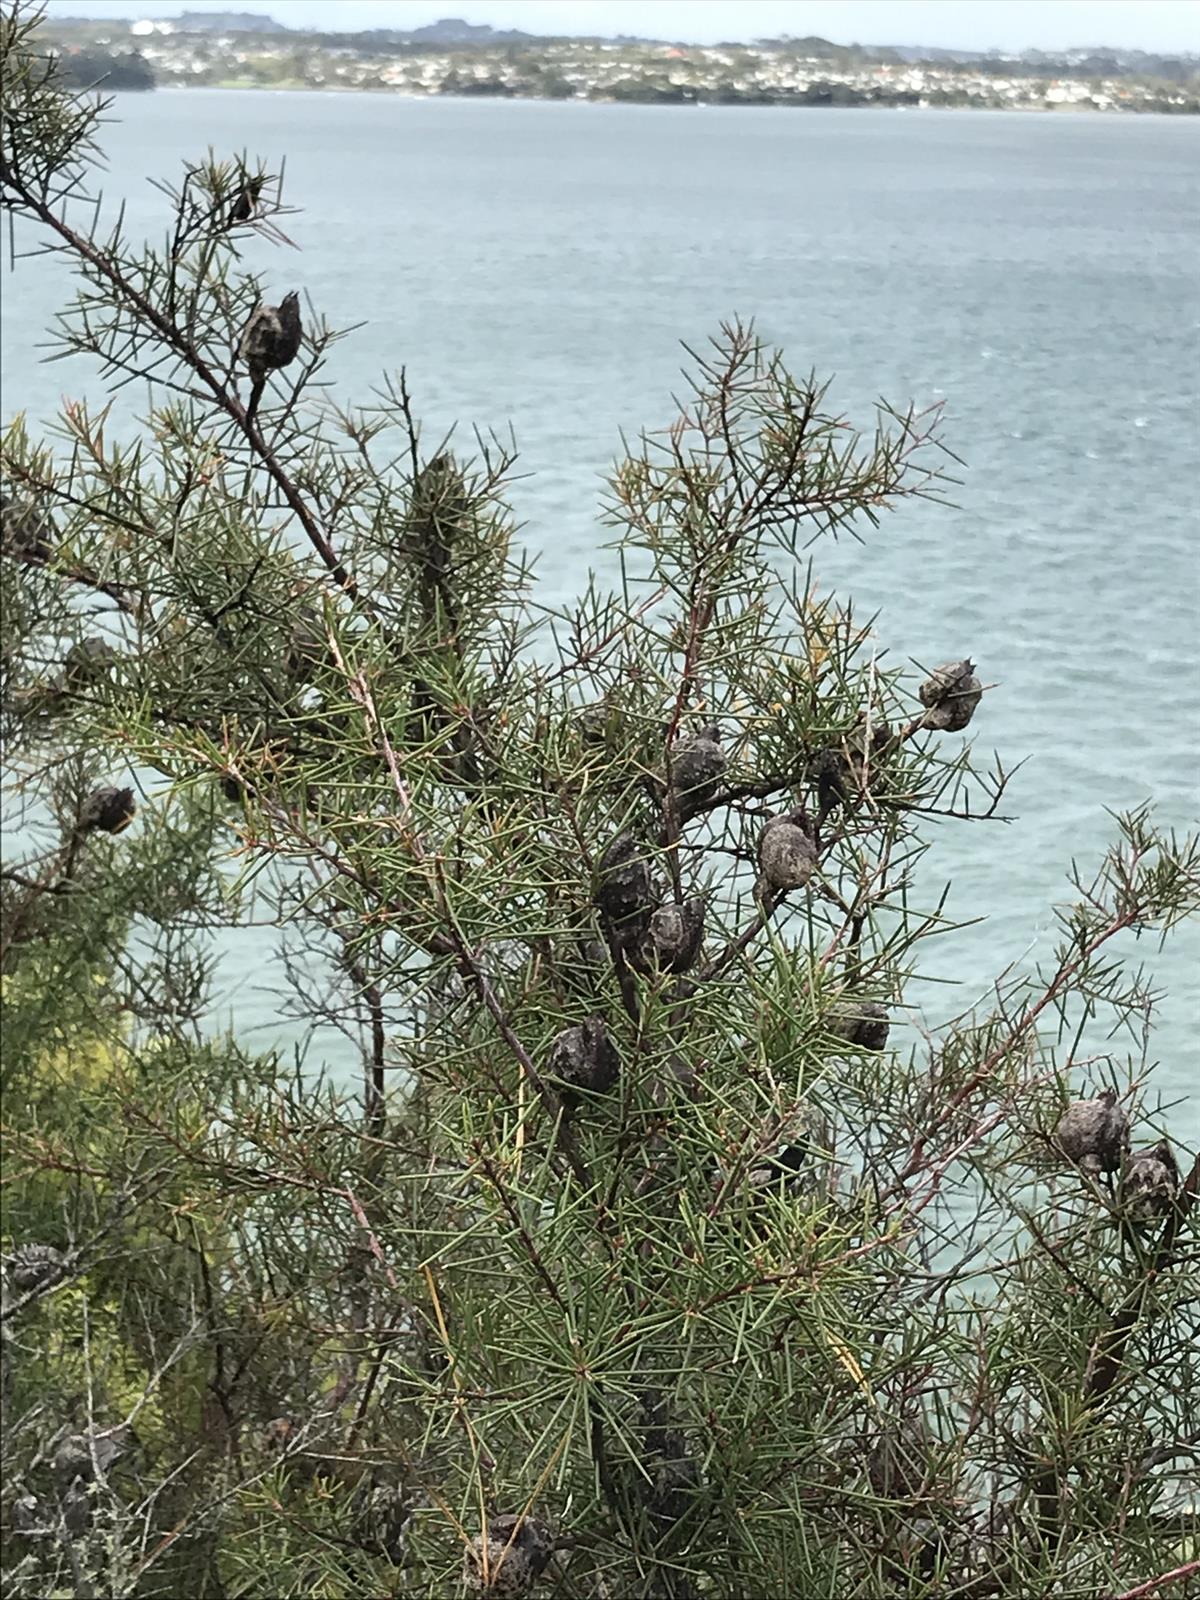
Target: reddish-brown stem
[(1188, 1570)]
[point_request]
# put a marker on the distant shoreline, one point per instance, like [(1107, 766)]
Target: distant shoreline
[(484, 65), (1071, 109)]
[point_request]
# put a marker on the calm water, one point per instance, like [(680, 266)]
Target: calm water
[(538, 264)]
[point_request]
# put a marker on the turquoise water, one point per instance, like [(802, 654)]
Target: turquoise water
[(537, 264)]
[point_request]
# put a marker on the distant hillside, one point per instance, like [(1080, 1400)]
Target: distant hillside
[(228, 22), (453, 30), (185, 22)]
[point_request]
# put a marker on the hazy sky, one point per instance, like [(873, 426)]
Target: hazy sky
[(966, 24)]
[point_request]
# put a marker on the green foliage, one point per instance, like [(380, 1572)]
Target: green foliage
[(795, 1301)]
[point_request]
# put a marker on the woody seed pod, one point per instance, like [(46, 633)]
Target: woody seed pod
[(242, 208), (107, 809), (789, 1165), (781, 1169), (786, 854), (672, 940), (951, 693), (591, 722), (271, 338), (87, 662), (697, 764), (232, 787), (39, 699), (1150, 1183), (584, 1057), (600, 723), (81, 1454), (32, 1266), (623, 889), (380, 1520), (862, 1023), (864, 750), (517, 1551), (440, 497), (859, 746), (439, 518), (593, 953), (827, 770), (76, 1511), (26, 534), (27, 1513), (675, 1475), (245, 201), (677, 1482), (1094, 1134), (684, 1073)]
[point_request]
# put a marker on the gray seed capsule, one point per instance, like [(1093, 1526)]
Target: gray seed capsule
[(232, 787), (683, 1073), (697, 764), (1150, 1183), (584, 1057), (26, 533), (951, 693), (107, 810), (27, 1514), (78, 1456), (599, 723), (673, 938), (1094, 1134), (32, 1266), (76, 1511), (675, 1474), (87, 662), (677, 1480), (786, 854), (623, 891), (862, 1023), (828, 770), (790, 1165), (859, 746), (272, 337), (864, 753), (381, 1515), (245, 202), (517, 1551), (271, 340)]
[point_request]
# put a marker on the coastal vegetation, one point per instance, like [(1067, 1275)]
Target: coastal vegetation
[(655, 1246), (84, 68)]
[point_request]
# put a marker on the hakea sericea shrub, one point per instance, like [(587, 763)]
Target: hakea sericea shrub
[(663, 1250)]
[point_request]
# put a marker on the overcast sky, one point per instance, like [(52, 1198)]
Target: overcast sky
[(964, 24)]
